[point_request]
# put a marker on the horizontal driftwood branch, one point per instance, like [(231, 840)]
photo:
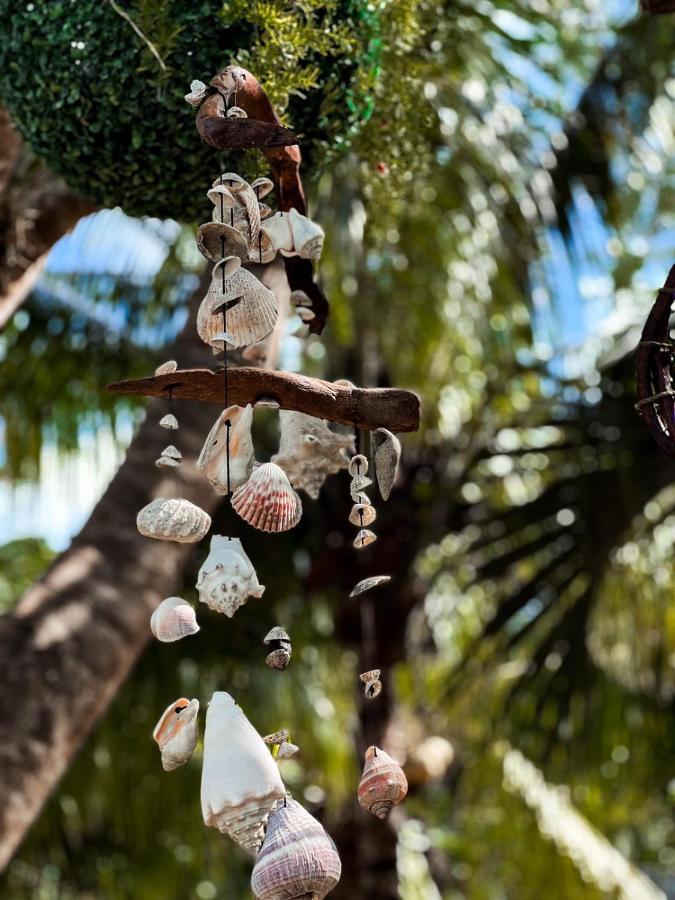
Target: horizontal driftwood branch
[(368, 408)]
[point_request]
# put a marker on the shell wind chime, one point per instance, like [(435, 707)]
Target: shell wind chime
[(242, 792)]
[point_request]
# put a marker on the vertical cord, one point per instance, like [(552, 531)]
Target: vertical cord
[(228, 424), (257, 196)]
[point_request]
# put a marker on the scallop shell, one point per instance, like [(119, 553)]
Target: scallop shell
[(309, 450), (240, 780), (169, 421), (227, 578), (297, 860), (167, 367), (172, 620), (173, 520), (358, 465), (362, 514), (308, 237), (177, 732), (368, 584), (383, 783), (387, 453), (250, 309), (267, 501), (363, 538), (218, 240), (213, 457)]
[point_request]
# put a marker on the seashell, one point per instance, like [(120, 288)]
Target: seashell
[(220, 338), (267, 501), (227, 578), (177, 732), (277, 636), (169, 421), (240, 780), (300, 298), (372, 675), (358, 483), (373, 689), (234, 182), (197, 92), (306, 315), (383, 784), (265, 211), (166, 461), (280, 645), (268, 403), (236, 112), (172, 452), (363, 538), (362, 514), (172, 620), (167, 367), (387, 453), (240, 305), (278, 659), (218, 240), (213, 457), (277, 236), (173, 520), (358, 465), (277, 737), (309, 450), (286, 750), (297, 859), (308, 237), (244, 215), (360, 498), (222, 198), (368, 584), (262, 187)]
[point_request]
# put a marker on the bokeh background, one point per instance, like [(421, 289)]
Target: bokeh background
[(496, 182)]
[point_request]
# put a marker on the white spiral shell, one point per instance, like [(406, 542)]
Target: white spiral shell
[(173, 619)]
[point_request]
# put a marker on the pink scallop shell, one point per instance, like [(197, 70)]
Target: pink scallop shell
[(267, 501)]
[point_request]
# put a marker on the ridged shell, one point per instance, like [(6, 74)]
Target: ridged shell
[(227, 578), (218, 240), (267, 501), (362, 514), (369, 583), (173, 619), (360, 497), (213, 457), (173, 520), (287, 749), (278, 659), (297, 859), (251, 313), (387, 453), (169, 421), (167, 367), (359, 483), (240, 780), (383, 783), (308, 237), (363, 538), (176, 733), (309, 450), (358, 465)]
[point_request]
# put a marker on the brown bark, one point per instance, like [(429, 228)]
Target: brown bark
[(74, 636)]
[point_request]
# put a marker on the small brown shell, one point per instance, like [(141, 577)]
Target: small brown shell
[(277, 737), (362, 514), (278, 659), (383, 783), (372, 675)]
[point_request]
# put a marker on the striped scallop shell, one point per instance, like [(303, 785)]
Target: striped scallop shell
[(173, 619), (173, 520), (383, 783), (251, 315), (267, 501), (297, 858)]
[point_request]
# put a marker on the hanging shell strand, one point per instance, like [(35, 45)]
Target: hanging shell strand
[(362, 513)]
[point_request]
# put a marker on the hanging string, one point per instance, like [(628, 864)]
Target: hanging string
[(226, 396)]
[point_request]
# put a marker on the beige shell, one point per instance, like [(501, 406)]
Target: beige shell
[(176, 733), (236, 112), (250, 308), (362, 514), (300, 298), (197, 92), (172, 620), (173, 520), (358, 465), (372, 675), (227, 578), (360, 498), (213, 457), (167, 367), (262, 187), (287, 749), (373, 689), (277, 236), (244, 216), (277, 634), (278, 659), (169, 421), (221, 196), (308, 237), (309, 450), (166, 461), (368, 584), (171, 456), (218, 240), (277, 737), (383, 783), (363, 538), (359, 483), (387, 453), (267, 501), (306, 315)]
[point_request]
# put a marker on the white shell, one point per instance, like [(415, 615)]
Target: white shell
[(306, 315), (173, 520), (300, 298), (172, 452), (227, 578), (166, 461), (177, 732), (363, 538), (267, 501), (197, 92), (250, 318), (262, 187), (387, 453), (169, 421), (309, 450), (240, 780), (368, 584), (172, 620), (358, 465), (308, 237), (221, 195), (167, 367), (362, 514), (220, 241), (359, 483), (277, 236), (213, 458), (286, 750)]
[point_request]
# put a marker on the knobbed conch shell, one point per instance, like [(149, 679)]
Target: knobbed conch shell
[(227, 578), (280, 648), (387, 452), (173, 520), (238, 304), (240, 780), (169, 421), (297, 860), (177, 732), (368, 584), (309, 451), (383, 783), (173, 619), (213, 458), (373, 685), (267, 501)]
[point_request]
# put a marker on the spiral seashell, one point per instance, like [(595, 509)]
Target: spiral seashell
[(173, 520), (218, 240), (167, 367), (387, 453), (227, 578), (308, 237), (309, 450), (358, 465), (240, 780), (368, 584), (213, 459), (169, 421), (172, 620), (236, 112), (287, 749), (363, 538), (238, 304), (362, 514), (176, 733), (383, 783), (267, 501), (297, 859)]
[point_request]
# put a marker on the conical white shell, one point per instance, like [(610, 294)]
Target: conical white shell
[(297, 860), (240, 780), (173, 520), (227, 578), (309, 450), (308, 237), (173, 619), (251, 312), (213, 458), (176, 733), (267, 501), (387, 452)]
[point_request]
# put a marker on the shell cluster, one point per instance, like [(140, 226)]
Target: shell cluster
[(362, 512)]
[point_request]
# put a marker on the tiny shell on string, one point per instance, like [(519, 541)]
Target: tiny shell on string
[(267, 501), (277, 737), (169, 421), (368, 584), (309, 450), (358, 465), (287, 750), (227, 578), (213, 459), (362, 514), (173, 520), (173, 619), (167, 367), (279, 642), (383, 783), (364, 537), (372, 684), (176, 733), (387, 453)]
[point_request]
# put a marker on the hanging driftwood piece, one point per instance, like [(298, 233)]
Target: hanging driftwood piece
[(371, 408), (309, 451), (655, 354)]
